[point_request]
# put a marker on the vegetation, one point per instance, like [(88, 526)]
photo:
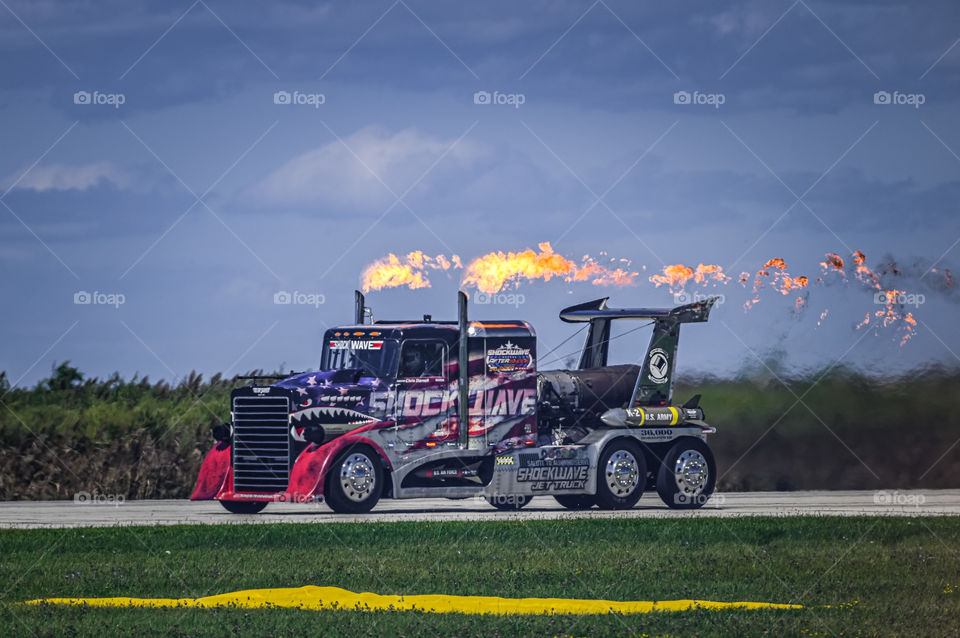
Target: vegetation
[(140, 439), (836, 429), (855, 576), (833, 430)]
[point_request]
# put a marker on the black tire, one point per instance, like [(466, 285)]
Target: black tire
[(355, 481), (621, 475), (509, 502), (680, 481), (576, 501), (243, 507)]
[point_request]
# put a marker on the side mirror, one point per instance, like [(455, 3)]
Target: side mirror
[(222, 432)]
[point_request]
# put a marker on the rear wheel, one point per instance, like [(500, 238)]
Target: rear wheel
[(355, 481), (687, 475), (509, 502), (576, 501), (621, 475), (243, 507)]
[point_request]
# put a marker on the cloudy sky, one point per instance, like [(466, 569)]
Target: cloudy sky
[(194, 159)]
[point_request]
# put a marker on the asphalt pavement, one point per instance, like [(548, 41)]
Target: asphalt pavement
[(100, 511)]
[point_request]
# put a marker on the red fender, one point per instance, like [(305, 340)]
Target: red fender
[(214, 473), (309, 473)]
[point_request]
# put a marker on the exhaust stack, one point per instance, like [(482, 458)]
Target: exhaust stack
[(463, 360), (360, 310)]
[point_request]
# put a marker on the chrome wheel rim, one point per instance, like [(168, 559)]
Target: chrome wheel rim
[(622, 473), (357, 477), (691, 472)]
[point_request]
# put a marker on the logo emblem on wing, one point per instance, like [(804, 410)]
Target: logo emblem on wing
[(659, 365)]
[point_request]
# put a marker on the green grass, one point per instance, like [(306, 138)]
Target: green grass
[(879, 576)]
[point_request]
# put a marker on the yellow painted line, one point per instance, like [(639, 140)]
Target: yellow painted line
[(317, 598), (676, 415)]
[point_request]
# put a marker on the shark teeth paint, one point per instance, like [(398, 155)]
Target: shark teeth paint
[(331, 415)]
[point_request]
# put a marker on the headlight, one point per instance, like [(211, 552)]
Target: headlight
[(314, 434)]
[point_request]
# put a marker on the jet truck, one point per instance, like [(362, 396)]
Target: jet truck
[(458, 409)]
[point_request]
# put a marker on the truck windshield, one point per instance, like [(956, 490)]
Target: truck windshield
[(375, 357)]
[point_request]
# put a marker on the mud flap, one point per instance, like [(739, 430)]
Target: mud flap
[(213, 473), (306, 475)]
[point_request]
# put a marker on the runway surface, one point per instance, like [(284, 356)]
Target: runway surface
[(100, 512)]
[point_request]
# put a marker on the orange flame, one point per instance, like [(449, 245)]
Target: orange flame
[(864, 273), (676, 276), (409, 271), (833, 262), (892, 314), (780, 280), (777, 263), (491, 272)]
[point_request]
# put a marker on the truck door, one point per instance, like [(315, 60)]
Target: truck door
[(424, 405), (509, 388)]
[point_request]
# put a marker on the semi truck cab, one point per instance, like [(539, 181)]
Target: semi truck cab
[(452, 409)]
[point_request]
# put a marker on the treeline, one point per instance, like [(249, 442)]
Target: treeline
[(834, 429), (134, 437), (839, 428)]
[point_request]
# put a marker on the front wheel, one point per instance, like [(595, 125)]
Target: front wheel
[(243, 507), (621, 475), (355, 481), (687, 475)]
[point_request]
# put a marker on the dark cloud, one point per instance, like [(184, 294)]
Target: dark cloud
[(292, 208)]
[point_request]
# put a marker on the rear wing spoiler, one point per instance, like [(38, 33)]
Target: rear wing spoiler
[(597, 309), (655, 383)]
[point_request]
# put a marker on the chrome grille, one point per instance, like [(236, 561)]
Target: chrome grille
[(261, 443)]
